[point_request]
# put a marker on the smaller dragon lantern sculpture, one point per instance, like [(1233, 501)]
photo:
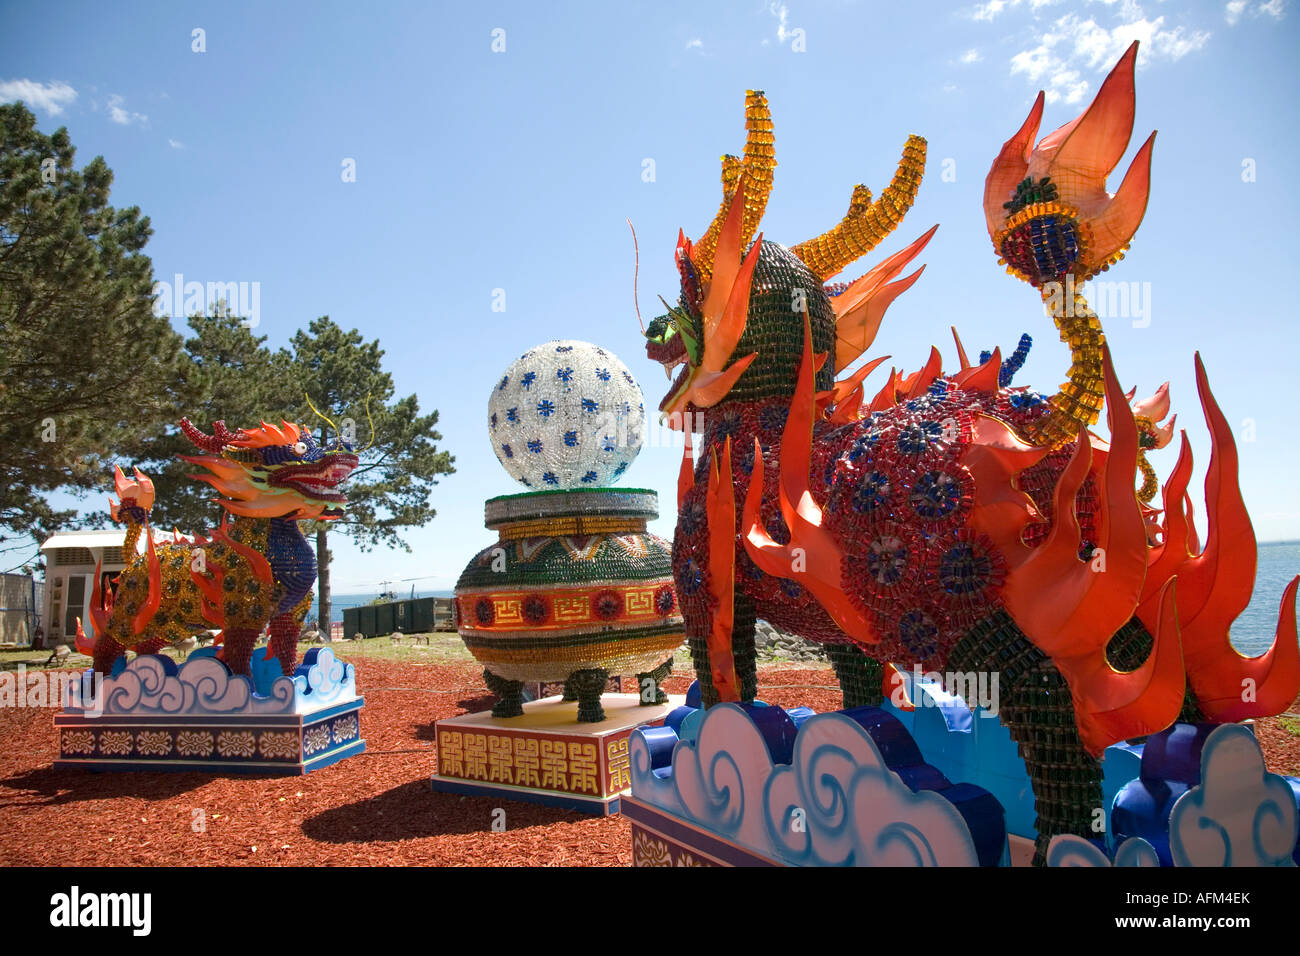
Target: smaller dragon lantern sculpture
[(256, 570), (953, 522)]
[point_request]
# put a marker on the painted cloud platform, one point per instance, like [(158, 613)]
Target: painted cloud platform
[(151, 714), (741, 785), (545, 756), (1203, 798)]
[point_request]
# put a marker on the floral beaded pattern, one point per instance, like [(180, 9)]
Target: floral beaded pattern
[(566, 414)]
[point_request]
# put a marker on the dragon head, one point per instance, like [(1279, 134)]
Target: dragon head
[(737, 329), (273, 471)]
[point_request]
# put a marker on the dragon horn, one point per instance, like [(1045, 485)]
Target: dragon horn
[(199, 439), (866, 223), (757, 166)]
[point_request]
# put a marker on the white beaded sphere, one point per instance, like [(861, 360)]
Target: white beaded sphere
[(566, 415)]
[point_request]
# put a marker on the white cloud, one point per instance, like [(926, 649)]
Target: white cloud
[(694, 44), (49, 98), (1062, 51), (992, 8), (951, 88), (124, 117), (1235, 8), (970, 56), (782, 14), (175, 143)]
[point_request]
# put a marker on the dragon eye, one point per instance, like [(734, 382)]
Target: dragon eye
[(300, 449)]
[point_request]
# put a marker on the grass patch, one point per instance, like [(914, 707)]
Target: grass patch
[(1290, 724)]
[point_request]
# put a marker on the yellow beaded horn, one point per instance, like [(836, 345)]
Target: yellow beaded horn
[(867, 224), (757, 166)]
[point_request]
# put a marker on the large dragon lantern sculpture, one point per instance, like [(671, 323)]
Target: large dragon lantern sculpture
[(256, 570), (954, 522)]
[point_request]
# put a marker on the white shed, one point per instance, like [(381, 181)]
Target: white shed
[(70, 560)]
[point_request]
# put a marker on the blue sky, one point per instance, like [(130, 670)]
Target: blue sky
[(479, 170)]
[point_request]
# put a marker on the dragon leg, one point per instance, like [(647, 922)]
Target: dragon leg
[(107, 651), (1037, 709), (239, 643), (151, 646), (284, 641), (743, 649), (860, 676)]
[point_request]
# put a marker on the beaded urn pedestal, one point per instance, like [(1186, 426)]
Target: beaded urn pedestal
[(574, 591)]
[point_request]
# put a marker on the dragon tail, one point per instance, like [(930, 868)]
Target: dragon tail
[(135, 501)]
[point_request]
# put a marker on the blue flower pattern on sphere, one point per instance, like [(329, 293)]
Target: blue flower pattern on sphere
[(575, 408)]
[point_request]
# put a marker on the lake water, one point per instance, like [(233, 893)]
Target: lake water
[(1251, 633)]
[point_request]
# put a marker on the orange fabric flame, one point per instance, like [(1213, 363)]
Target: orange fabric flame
[(1071, 608), (725, 311), (1078, 157), (814, 557), (861, 307), (1215, 586), (154, 600)]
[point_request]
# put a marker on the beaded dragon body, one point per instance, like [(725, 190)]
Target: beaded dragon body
[(952, 521), (256, 570)]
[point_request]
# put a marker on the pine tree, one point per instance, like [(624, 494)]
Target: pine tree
[(85, 365), (400, 462)]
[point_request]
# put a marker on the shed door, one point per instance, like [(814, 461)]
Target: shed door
[(75, 606)]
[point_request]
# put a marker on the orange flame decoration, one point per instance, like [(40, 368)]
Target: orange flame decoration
[(844, 399), (724, 313), (1078, 157), (154, 600), (686, 476), (813, 557), (721, 507), (861, 307), (211, 584), (101, 607), (287, 434), (1071, 608), (139, 492), (1215, 586)]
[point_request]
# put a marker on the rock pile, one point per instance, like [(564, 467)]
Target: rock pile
[(777, 644)]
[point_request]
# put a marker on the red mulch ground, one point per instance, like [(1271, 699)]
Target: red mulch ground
[(376, 808)]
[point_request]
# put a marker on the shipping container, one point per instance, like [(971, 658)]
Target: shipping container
[(366, 620), (384, 619)]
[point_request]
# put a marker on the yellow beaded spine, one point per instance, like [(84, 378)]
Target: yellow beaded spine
[(1079, 402)]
